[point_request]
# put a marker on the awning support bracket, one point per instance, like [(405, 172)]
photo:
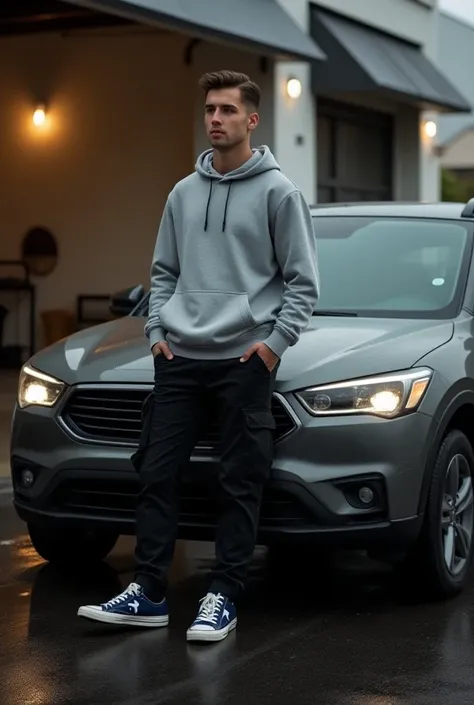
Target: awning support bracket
[(188, 52)]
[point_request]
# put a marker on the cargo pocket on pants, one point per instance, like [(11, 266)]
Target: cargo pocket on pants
[(259, 419), (137, 457), (260, 425)]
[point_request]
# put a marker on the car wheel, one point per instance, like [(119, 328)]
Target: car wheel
[(441, 560), (71, 547)]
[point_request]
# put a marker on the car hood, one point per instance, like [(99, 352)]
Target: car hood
[(331, 349)]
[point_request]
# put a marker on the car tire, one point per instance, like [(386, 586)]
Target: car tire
[(440, 563), (66, 547)]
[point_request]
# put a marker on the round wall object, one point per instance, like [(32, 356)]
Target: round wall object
[(40, 251)]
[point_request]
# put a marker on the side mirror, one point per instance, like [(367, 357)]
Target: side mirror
[(123, 302)]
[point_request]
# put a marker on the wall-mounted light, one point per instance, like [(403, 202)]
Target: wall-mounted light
[(430, 129), (39, 116), (293, 88)]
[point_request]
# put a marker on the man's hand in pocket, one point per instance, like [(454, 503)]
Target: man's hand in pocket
[(162, 348), (263, 351)]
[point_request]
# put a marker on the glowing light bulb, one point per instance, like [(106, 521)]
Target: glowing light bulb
[(430, 129), (39, 117), (294, 88), (385, 402)]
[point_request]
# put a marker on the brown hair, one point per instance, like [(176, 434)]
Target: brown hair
[(216, 80)]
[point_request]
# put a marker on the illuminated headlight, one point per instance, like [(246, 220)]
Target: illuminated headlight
[(38, 389), (384, 395)]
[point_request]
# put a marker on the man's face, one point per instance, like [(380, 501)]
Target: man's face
[(228, 119)]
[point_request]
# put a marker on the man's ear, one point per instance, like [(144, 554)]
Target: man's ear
[(254, 119)]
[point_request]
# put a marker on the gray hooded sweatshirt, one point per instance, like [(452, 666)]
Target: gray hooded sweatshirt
[(234, 262)]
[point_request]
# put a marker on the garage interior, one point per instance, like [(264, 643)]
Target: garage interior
[(52, 48), (25, 18)]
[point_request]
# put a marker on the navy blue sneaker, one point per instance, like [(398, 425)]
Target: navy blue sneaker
[(217, 617), (131, 607)]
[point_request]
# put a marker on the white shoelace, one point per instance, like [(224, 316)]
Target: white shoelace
[(133, 590), (210, 608)]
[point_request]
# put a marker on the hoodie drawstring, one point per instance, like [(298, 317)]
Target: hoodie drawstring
[(226, 204), (209, 203)]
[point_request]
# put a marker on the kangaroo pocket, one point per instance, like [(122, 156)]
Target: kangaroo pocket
[(202, 318)]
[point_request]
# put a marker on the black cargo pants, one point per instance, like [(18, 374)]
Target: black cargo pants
[(242, 394)]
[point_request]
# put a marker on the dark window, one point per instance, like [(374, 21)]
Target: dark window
[(354, 154)]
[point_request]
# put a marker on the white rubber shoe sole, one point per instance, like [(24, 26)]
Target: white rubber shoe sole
[(100, 616), (210, 634)]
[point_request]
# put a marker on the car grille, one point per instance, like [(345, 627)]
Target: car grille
[(198, 504), (114, 415)]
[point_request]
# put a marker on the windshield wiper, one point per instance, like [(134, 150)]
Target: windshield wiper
[(348, 314)]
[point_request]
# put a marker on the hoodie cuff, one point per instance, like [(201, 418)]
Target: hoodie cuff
[(277, 342), (156, 335)]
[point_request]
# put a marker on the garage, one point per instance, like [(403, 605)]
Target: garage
[(371, 93), (355, 153)]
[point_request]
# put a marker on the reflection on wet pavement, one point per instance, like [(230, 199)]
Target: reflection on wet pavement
[(343, 635)]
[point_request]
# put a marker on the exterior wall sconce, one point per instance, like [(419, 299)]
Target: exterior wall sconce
[(39, 116), (293, 88), (430, 129)]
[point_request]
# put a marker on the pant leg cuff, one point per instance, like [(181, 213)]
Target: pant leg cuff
[(230, 591), (152, 589)]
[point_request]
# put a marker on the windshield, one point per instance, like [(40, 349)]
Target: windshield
[(392, 266)]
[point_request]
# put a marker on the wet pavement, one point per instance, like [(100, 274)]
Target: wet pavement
[(346, 635)]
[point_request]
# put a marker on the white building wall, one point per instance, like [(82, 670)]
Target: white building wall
[(430, 165), (457, 65), (295, 120), (459, 153), (409, 19)]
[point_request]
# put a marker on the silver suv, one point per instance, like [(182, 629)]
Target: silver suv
[(374, 410)]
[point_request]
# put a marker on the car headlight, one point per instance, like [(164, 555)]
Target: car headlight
[(38, 389), (384, 395)]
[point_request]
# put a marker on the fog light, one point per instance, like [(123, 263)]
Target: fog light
[(366, 495), (27, 478)]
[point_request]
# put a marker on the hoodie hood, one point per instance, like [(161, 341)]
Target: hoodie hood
[(261, 161)]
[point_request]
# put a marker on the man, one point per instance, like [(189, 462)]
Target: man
[(234, 282)]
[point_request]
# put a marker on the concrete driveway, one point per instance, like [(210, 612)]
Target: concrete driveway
[(342, 636)]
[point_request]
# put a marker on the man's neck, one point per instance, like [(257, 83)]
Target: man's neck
[(224, 162)]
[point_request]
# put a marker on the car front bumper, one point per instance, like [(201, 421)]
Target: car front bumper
[(313, 492)]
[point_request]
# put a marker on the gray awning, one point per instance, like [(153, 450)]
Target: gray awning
[(363, 59), (261, 25)]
